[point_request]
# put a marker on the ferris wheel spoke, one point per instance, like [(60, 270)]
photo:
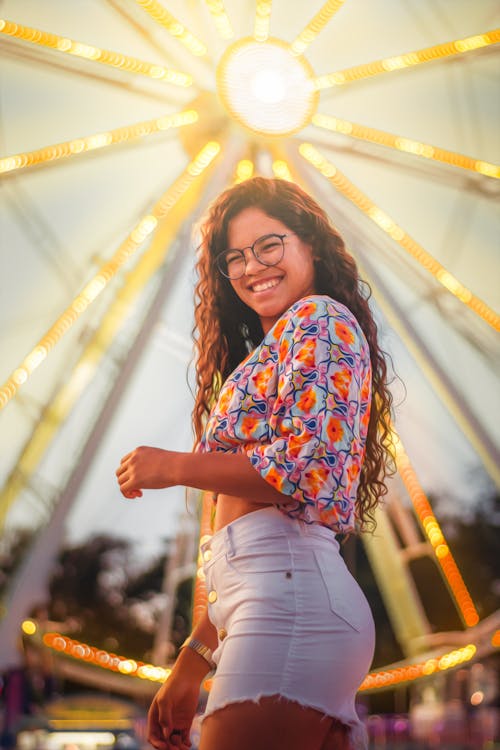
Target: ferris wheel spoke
[(67, 46), (175, 28), (398, 234), (220, 18), (262, 20), (76, 68), (408, 59), (313, 28), (143, 229), (406, 145), (84, 144)]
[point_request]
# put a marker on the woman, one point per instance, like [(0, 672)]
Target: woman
[(292, 423)]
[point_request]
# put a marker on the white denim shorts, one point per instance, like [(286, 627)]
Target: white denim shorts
[(291, 619)]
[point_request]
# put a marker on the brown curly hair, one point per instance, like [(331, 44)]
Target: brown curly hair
[(226, 329)]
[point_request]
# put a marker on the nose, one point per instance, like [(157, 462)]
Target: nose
[(252, 264)]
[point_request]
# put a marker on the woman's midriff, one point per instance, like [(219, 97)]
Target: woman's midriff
[(229, 508)]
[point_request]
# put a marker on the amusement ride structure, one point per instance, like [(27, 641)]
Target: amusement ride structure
[(245, 97)]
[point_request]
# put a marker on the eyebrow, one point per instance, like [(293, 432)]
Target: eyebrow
[(260, 237)]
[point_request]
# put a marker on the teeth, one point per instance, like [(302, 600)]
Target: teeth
[(261, 286)]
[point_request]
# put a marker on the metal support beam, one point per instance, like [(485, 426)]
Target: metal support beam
[(396, 585)]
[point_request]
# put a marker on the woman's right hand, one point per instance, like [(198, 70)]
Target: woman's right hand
[(172, 712)]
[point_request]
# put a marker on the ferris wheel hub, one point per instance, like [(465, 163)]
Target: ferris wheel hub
[(266, 88)]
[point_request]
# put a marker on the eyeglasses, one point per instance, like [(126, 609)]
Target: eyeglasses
[(268, 250)]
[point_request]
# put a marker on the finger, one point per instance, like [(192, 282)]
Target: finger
[(126, 483), (180, 738), (178, 741), (130, 490), (160, 744), (165, 718), (132, 495), (127, 456), (157, 739), (121, 469), (155, 732)]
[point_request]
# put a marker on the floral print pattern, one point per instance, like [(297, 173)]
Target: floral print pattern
[(299, 407)]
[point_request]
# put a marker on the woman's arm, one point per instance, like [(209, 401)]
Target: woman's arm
[(224, 473), (174, 705), (189, 662)]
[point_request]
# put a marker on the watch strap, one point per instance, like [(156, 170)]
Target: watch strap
[(200, 649)]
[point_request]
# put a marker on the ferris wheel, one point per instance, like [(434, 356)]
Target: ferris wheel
[(228, 90)]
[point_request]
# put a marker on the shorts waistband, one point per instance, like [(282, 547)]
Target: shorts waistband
[(262, 524)]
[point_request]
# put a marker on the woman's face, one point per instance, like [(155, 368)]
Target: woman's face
[(270, 290)]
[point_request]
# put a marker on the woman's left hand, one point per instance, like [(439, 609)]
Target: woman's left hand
[(145, 469)]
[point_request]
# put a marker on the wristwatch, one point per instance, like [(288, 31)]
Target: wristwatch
[(200, 649)]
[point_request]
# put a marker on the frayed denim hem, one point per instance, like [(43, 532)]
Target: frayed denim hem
[(357, 734)]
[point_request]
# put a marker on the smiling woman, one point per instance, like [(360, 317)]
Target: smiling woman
[(293, 437)]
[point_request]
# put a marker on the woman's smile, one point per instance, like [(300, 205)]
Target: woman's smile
[(264, 285)]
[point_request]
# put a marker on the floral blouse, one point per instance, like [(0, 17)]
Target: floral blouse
[(299, 407)]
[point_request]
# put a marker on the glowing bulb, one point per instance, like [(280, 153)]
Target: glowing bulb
[(265, 88), (28, 627), (268, 86)]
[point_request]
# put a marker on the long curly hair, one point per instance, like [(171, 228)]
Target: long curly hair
[(226, 329)]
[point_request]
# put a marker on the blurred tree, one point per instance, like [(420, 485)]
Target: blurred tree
[(13, 546), (116, 603)]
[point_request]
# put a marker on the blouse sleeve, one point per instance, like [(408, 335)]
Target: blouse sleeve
[(319, 420)]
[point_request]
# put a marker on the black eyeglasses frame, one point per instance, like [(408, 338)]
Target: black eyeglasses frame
[(218, 257)]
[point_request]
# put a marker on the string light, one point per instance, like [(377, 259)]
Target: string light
[(244, 170), (314, 27), (174, 27), (388, 225), (425, 150), (281, 170), (127, 249), (262, 20), (409, 59), (104, 659), (434, 534), (96, 54), (99, 140), (28, 627), (221, 19), (410, 672), (376, 680)]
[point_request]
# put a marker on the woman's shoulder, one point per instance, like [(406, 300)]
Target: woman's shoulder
[(319, 305), (310, 309)]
